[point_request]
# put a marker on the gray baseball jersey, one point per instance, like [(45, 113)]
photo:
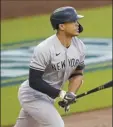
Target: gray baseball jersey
[(58, 63)]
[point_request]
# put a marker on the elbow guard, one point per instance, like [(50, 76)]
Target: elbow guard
[(80, 67), (75, 74)]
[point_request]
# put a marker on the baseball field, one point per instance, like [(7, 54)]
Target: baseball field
[(97, 24)]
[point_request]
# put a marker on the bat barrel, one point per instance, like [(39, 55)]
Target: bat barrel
[(107, 85)]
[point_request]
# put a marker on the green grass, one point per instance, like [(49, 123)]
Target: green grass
[(10, 106), (97, 23)]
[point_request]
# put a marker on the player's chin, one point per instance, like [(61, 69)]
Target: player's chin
[(76, 34)]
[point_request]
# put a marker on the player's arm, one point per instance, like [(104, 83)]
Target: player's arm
[(36, 82), (76, 79), (38, 64)]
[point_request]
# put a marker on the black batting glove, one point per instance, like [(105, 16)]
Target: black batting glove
[(69, 98)]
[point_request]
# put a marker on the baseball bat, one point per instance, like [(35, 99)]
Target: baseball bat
[(104, 86)]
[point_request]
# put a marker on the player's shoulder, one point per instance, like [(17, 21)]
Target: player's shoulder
[(79, 44), (46, 44), (78, 40)]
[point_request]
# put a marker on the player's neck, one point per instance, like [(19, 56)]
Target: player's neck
[(64, 39)]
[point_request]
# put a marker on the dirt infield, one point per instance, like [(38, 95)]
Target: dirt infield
[(17, 8), (97, 118)]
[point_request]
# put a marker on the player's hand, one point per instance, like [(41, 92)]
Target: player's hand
[(68, 99)]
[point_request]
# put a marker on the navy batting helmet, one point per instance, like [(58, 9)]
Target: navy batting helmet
[(63, 15)]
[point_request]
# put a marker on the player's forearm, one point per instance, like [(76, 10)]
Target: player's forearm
[(36, 82), (75, 83)]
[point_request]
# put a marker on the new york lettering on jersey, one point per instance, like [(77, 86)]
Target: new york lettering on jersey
[(62, 64)]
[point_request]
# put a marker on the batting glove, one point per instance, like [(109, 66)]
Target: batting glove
[(68, 99)]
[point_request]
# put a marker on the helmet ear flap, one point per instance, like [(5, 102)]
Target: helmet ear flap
[(80, 28)]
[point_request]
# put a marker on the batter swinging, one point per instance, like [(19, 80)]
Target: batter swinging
[(55, 60)]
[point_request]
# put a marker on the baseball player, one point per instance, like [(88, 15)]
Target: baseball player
[(57, 59)]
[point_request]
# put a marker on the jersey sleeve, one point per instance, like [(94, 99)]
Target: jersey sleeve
[(82, 59), (40, 59), (81, 65), (82, 56)]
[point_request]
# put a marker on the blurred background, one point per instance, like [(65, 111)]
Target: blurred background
[(24, 24)]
